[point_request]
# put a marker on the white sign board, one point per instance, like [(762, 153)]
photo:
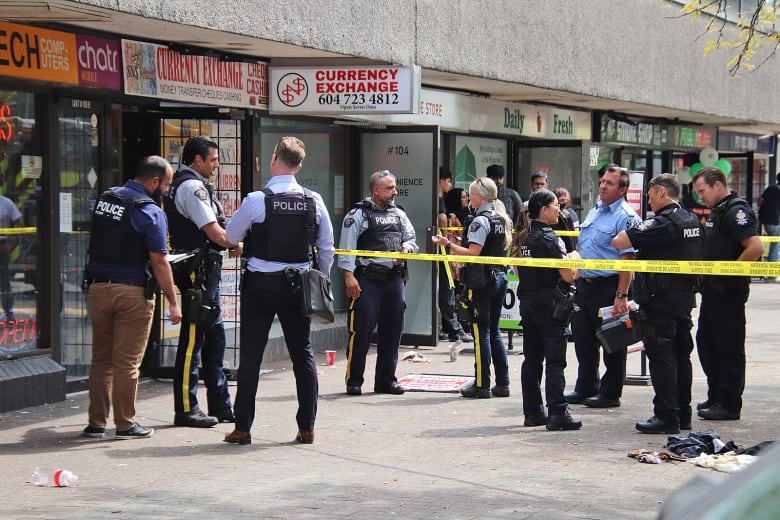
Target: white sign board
[(344, 90), (157, 71)]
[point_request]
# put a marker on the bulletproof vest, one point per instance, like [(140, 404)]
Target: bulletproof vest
[(495, 243), (282, 236), (536, 277), (112, 236), (185, 235), (688, 246), (717, 245), (385, 231)]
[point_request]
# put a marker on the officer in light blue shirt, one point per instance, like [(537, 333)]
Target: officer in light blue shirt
[(596, 289)]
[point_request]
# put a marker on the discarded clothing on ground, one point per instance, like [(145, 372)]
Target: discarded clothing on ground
[(654, 457), (696, 443), (728, 462)]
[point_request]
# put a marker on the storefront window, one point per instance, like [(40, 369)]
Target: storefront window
[(20, 173), (227, 186)]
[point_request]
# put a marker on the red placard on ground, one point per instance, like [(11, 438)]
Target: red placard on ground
[(434, 382)]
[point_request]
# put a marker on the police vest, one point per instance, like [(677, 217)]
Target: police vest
[(284, 234), (112, 236), (532, 278), (495, 242), (185, 235), (718, 245), (385, 230), (688, 246)]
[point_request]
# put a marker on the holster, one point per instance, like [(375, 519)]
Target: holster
[(563, 304)]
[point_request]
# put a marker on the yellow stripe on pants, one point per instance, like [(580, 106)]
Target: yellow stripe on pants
[(185, 381), (351, 343)]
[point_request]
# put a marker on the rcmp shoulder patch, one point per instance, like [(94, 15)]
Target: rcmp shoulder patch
[(741, 217), (202, 194), (474, 226), (348, 221)]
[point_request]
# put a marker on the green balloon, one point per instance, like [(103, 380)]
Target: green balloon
[(695, 167), (724, 166)]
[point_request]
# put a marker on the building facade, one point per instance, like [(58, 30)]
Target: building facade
[(87, 88)]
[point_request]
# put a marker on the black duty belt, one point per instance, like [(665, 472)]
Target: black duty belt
[(272, 273), (104, 280), (598, 279)]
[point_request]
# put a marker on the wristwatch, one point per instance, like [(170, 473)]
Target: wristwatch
[(620, 294)]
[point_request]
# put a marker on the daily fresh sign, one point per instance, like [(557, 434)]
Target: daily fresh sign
[(345, 90)]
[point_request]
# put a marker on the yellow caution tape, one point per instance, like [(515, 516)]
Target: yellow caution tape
[(18, 231), (718, 268), (577, 233)]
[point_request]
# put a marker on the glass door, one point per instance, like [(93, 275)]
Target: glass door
[(80, 124)]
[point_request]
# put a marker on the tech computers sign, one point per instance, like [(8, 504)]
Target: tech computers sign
[(345, 90)]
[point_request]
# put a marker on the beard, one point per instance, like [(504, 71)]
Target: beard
[(157, 196)]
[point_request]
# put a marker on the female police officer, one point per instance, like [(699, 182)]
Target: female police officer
[(488, 234), (544, 336)]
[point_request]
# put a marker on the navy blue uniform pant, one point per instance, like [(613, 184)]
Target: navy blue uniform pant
[(205, 346), (720, 340), (592, 294), (489, 345), (381, 305), (544, 350), (668, 345), (262, 298)]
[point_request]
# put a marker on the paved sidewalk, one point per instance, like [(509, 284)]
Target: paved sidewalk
[(420, 455)]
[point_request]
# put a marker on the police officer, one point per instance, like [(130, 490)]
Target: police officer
[(544, 332), (730, 233), (273, 223), (197, 221), (128, 237), (666, 300), (488, 234), (375, 285)]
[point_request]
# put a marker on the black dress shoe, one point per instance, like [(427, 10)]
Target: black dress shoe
[(354, 390), (599, 401), (575, 397), (657, 425), (225, 416), (704, 404), (563, 421), (500, 391), (194, 419), (473, 392), (394, 389), (443, 336), (537, 419), (716, 412)]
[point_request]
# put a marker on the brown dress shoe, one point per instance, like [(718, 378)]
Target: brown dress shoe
[(305, 436), (238, 437)]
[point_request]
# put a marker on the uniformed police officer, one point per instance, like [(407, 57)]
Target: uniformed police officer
[(197, 220), (128, 237), (273, 223), (544, 332), (730, 233), (666, 300), (376, 285), (488, 234)]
